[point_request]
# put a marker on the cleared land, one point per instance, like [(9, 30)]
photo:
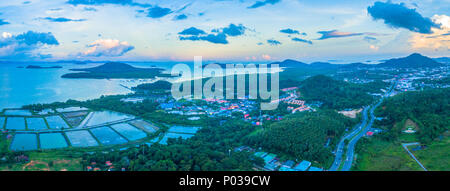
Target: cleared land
[(435, 157), (47, 161), (380, 155)]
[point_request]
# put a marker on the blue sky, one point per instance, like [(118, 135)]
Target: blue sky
[(223, 30)]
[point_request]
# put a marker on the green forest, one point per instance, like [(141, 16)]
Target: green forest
[(209, 150), (336, 94), (429, 109), (304, 135)]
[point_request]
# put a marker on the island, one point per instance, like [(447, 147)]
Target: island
[(42, 67), (116, 70)]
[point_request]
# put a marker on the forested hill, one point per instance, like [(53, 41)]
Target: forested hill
[(412, 61), (304, 135), (429, 109), (114, 70), (336, 94), (158, 85)]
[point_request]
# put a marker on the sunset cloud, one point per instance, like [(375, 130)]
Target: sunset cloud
[(108, 48), (439, 39)]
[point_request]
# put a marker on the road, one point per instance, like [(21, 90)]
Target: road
[(405, 146), (354, 136), (340, 147), (351, 145)]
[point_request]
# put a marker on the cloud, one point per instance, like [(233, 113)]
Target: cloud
[(104, 2), (266, 57), (158, 12), (232, 30), (289, 31), (108, 48), (217, 36), (90, 9), (3, 22), (62, 19), (302, 40), (180, 17), (23, 46), (263, 3), (374, 47), (192, 31), (184, 7), (34, 38), (438, 40), (400, 16), (273, 42), (370, 39), (336, 34)]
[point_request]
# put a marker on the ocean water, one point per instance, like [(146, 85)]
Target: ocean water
[(21, 86)]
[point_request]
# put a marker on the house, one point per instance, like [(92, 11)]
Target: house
[(260, 154), (271, 166), (269, 157), (167, 106), (193, 118), (303, 166), (283, 168), (313, 168), (370, 133), (132, 100), (288, 164)]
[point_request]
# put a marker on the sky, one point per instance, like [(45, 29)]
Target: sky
[(223, 30)]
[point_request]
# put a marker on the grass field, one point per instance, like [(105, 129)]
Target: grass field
[(46, 161), (436, 156), (380, 155)]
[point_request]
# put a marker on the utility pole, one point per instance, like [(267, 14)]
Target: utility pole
[(260, 117)]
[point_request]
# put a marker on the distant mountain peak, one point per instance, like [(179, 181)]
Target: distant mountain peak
[(414, 60), (291, 63)]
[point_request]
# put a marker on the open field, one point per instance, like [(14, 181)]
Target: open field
[(382, 155), (435, 156), (46, 161)]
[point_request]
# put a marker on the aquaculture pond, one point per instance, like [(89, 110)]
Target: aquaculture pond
[(56, 122), (174, 136), (183, 129), (70, 109), (36, 124), (107, 136), (102, 117), (15, 123), (52, 140), (81, 138), (2, 122), (128, 131), (24, 142), (144, 125), (18, 112)]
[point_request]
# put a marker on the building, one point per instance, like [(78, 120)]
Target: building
[(313, 168), (269, 157), (303, 166)]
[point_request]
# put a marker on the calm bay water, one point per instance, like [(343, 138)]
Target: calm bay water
[(21, 86)]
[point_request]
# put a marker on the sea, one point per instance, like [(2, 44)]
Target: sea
[(20, 86)]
